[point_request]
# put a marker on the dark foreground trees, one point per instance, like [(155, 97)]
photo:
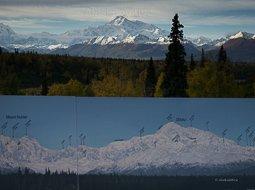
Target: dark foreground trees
[(175, 78), (65, 181), (35, 74), (150, 80), (21, 74)]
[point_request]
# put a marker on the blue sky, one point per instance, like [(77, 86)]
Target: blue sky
[(212, 18), (105, 119)]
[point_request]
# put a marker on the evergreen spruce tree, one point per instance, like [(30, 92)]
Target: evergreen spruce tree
[(175, 80), (222, 55), (202, 62), (1, 51), (192, 63), (46, 75), (150, 80), (222, 64), (44, 80)]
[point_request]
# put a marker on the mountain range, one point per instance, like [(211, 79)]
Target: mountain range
[(172, 150), (123, 38)]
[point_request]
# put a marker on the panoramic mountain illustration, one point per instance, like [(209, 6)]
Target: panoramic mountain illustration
[(124, 38), (75, 142), (172, 150)]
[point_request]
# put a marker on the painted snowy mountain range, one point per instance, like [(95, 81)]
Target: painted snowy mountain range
[(172, 150)]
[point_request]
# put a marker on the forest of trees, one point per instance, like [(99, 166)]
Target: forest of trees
[(34, 74), (29, 73), (68, 181)]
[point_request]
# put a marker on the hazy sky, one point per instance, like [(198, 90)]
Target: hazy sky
[(104, 120), (201, 17)]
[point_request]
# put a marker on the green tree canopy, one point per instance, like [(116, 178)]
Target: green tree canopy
[(158, 90), (209, 82), (72, 88), (111, 85)]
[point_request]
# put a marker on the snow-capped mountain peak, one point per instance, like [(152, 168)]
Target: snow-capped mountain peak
[(241, 34), (200, 41), (119, 20)]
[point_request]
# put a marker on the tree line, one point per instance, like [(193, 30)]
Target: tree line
[(34, 74), (68, 181)]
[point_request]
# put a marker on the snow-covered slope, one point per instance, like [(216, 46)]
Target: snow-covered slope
[(208, 43), (138, 39), (115, 31), (102, 40), (136, 28), (200, 41), (240, 34), (171, 150), (123, 30)]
